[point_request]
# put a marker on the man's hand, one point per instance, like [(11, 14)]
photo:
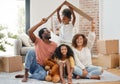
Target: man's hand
[(44, 20)]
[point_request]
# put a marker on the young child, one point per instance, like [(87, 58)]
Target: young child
[(66, 27), (65, 60)]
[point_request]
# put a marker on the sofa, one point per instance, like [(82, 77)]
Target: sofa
[(21, 45)]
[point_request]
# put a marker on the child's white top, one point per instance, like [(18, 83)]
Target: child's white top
[(83, 57), (66, 33)]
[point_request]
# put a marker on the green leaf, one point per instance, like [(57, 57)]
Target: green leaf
[(2, 48)]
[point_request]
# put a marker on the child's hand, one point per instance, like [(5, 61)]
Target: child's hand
[(59, 9), (85, 72), (70, 8)]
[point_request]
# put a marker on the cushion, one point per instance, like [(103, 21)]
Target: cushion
[(26, 40), (24, 50)]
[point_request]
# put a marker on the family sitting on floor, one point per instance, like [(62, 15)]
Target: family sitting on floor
[(73, 55)]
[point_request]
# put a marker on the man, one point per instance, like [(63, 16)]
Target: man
[(44, 49)]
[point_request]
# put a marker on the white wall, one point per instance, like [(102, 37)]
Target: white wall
[(110, 19), (43, 8)]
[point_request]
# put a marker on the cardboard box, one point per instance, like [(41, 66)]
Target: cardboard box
[(1, 64), (108, 46), (119, 61), (119, 47), (108, 61), (12, 63), (95, 60)]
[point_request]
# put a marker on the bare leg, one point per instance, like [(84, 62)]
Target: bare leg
[(61, 72), (25, 76), (69, 72)]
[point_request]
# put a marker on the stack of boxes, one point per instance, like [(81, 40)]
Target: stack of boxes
[(108, 53)]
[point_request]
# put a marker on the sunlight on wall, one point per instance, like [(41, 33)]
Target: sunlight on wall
[(111, 19)]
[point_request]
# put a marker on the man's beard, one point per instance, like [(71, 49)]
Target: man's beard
[(48, 37)]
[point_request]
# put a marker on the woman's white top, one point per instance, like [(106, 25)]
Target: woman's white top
[(66, 33), (83, 57)]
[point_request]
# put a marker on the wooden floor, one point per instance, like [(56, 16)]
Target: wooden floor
[(115, 71)]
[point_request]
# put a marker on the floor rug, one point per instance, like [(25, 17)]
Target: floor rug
[(8, 78)]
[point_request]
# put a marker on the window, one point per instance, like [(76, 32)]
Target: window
[(12, 17)]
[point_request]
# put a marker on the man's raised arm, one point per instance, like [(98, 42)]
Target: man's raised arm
[(31, 30)]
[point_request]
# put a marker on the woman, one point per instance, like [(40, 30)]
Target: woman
[(82, 55)]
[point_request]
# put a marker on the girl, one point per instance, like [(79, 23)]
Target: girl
[(65, 59), (66, 28)]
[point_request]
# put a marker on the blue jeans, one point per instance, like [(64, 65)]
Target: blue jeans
[(37, 71), (92, 71)]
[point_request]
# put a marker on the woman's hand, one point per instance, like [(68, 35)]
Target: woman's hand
[(85, 72), (93, 26)]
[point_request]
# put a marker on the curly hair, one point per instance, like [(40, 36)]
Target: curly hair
[(67, 12), (76, 37), (58, 53)]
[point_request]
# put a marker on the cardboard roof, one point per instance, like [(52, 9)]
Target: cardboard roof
[(74, 8)]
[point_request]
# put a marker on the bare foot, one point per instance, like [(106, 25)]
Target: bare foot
[(19, 76), (63, 81), (95, 77), (25, 78), (77, 77), (69, 81)]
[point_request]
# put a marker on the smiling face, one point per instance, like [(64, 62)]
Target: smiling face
[(65, 20), (64, 50), (79, 41)]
